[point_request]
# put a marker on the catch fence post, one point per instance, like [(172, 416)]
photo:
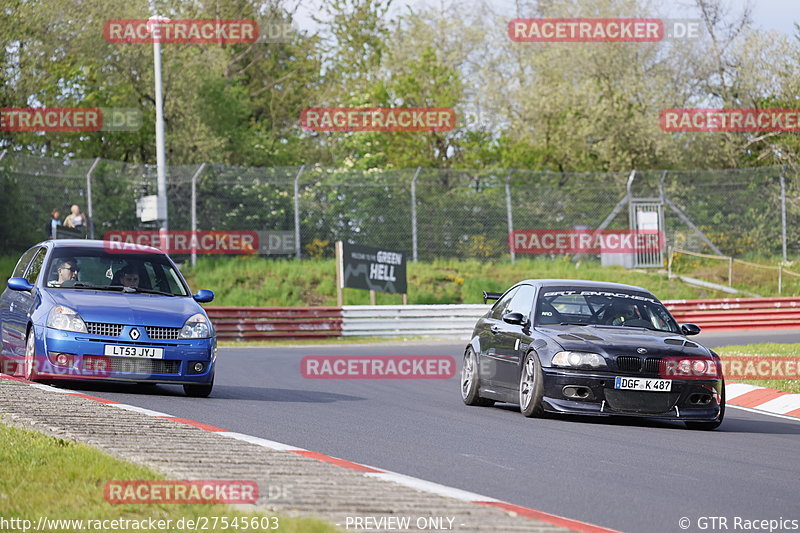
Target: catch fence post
[(89, 209), (414, 214), (783, 211), (510, 217), (194, 211), (297, 212)]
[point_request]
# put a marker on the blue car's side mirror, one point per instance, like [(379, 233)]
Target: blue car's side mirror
[(19, 284), (203, 296)]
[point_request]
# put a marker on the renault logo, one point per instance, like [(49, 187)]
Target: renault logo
[(135, 334), (641, 350)]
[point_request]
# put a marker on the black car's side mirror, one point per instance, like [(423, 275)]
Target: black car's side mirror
[(514, 318), (690, 329)]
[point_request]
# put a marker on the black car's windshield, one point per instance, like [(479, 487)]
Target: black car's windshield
[(98, 269), (602, 307)]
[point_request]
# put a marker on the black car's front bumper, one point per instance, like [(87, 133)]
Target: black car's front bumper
[(680, 403)]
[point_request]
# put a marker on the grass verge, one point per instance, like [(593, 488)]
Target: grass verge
[(60, 479), (765, 350), (258, 281)]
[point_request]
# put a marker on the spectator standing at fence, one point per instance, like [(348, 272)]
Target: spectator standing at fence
[(54, 222), (75, 219)]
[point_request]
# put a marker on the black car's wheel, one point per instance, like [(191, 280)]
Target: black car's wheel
[(714, 424), (198, 391), (470, 381), (29, 366), (531, 389)]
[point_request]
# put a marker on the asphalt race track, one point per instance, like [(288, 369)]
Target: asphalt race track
[(629, 474)]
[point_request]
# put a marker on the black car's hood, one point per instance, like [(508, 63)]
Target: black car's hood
[(612, 340)]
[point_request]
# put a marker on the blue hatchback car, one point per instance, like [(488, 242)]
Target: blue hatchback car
[(87, 310)]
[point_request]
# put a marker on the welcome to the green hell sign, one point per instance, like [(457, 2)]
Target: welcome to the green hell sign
[(374, 269)]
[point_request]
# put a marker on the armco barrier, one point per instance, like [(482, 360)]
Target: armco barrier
[(738, 313), (261, 323), (457, 321), (411, 320)]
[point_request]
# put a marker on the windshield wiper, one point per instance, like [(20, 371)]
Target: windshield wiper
[(91, 286), (575, 324), (152, 291), (120, 288), (130, 290)]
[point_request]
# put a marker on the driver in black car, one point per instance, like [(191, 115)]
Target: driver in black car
[(623, 312)]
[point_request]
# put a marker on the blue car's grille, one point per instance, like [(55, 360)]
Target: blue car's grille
[(157, 332), (101, 328), (136, 365)]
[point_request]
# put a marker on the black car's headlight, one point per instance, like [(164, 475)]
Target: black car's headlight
[(65, 319), (196, 326), (578, 360)]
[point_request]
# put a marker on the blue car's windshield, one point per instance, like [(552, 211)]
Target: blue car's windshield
[(98, 269), (588, 306)]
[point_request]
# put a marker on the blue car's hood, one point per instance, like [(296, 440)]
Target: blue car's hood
[(127, 308)]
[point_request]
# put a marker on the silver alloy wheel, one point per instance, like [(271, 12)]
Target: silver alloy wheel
[(467, 371), (30, 354), (527, 382)]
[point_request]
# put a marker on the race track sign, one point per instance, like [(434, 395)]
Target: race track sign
[(374, 269)]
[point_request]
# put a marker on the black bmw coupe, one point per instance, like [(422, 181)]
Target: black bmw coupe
[(591, 348)]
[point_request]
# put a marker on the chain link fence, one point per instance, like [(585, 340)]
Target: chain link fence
[(429, 213)]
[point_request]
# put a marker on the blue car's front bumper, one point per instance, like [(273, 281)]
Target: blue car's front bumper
[(86, 358)]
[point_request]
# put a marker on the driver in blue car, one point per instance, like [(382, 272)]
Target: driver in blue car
[(66, 270)]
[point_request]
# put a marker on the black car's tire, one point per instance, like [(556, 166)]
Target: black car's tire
[(470, 381), (708, 426), (198, 391), (531, 388), (29, 365)]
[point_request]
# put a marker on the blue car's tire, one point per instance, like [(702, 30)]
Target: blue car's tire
[(29, 365)]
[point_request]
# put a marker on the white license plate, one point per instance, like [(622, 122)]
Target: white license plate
[(134, 351), (655, 385)]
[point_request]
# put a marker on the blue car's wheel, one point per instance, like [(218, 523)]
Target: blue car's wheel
[(29, 366)]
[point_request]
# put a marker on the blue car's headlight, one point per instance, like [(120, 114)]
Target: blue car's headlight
[(196, 327), (65, 319)]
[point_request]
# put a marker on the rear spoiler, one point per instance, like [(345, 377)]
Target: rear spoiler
[(491, 296)]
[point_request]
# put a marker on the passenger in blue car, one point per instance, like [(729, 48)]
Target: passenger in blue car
[(129, 277)]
